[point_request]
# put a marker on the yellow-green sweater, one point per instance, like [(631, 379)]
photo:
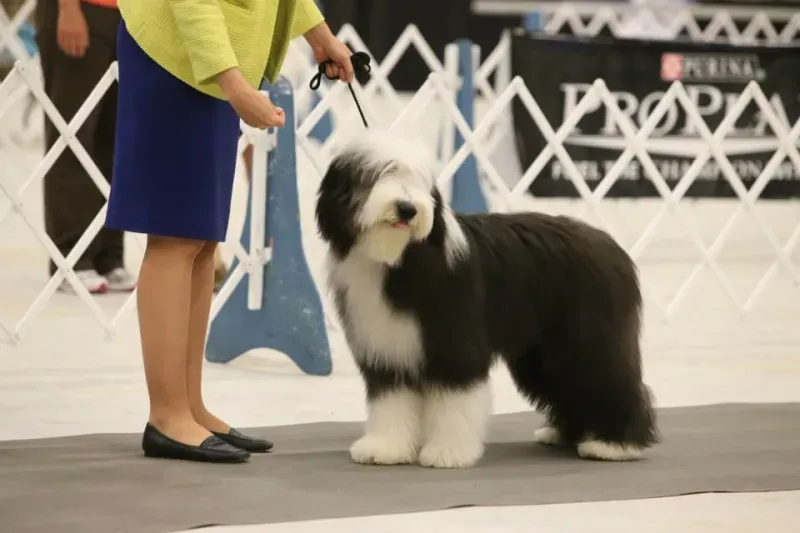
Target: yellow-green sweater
[(194, 40)]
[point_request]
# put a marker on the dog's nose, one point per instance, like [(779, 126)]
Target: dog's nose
[(405, 210)]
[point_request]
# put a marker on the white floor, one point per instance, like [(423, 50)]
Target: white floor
[(65, 378), (729, 513)]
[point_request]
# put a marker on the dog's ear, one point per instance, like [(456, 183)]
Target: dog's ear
[(335, 207), (438, 232)]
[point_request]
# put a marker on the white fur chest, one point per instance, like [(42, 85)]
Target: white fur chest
[(379, 335)]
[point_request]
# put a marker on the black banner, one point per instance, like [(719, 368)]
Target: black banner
[(558, 70)]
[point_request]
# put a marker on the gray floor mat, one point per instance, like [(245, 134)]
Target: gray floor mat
[(102, 484)]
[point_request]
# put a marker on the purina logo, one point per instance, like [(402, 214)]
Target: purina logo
[(740, 68)]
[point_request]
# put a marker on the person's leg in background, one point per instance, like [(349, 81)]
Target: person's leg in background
[(220, 268), (71, 199), (109, 260)]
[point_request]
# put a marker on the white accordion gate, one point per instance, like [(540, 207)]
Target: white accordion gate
[(513, 199), (9, 28), (250, 262), (480, 141), (733, 23)]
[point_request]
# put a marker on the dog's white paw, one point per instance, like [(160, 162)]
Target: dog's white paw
[(458, 456), (608, 451), (376, 450), (548, 435)]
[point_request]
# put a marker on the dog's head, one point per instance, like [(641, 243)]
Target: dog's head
[(379, 196)]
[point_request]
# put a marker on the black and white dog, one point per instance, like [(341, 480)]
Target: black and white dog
[(429, 300)]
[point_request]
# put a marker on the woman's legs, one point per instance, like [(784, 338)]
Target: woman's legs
[(202, 290), (164, 303)]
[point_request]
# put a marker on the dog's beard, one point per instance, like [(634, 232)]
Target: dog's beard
[(384, 237), (385, 243)]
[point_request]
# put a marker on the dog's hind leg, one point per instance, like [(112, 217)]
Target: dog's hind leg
[(455, 421), (620, 425), (586, 377), (527, 373), (618, 417), (596, 390)]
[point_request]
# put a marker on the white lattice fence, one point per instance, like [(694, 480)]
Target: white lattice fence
[(9, 31), (21, 126), (299, 67), (736, 24), (68, 140), (25, 82), (380, 101), (410, 114), (382, 104), (517, 197), (25, 77)]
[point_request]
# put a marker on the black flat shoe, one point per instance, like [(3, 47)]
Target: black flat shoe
[(235, 438), (211, 450)]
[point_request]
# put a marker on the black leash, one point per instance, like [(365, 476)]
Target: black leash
[(360, 62)]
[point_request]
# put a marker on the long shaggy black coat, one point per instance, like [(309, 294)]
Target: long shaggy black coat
[(556, 299)]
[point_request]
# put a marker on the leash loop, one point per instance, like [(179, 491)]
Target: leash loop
[(361, 65)]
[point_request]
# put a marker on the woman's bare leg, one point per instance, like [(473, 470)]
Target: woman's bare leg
[(203, 280), (163, 305), (202, 290)]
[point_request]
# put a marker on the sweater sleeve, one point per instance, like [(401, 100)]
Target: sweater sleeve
[(202, 28), (307, 16)]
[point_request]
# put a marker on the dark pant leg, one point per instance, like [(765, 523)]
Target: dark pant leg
[(71, 199), (110, 242)]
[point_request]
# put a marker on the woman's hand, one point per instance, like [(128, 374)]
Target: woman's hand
[(72, 32), (253, 107), (326, 46)]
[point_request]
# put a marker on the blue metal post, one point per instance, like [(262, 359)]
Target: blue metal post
[(291, 319), (467, 194), (533, 21)]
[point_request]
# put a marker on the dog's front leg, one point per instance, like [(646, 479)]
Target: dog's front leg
[(455, 421), (393, 429)]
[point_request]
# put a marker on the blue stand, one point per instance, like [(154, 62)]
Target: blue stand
[(467, 195), (27, 33), (322, 130), (291, 319), (533, 21)]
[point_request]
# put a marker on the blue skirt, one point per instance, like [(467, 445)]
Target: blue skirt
[(175, 153)]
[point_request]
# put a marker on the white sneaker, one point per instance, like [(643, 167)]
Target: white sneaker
[(120, 280), (94, 282)]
